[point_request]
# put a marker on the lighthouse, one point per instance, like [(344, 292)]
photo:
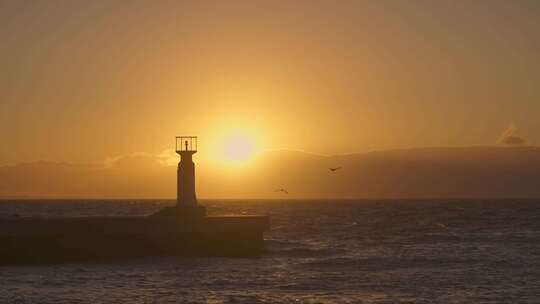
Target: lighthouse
[(186, 199), (186, 146)]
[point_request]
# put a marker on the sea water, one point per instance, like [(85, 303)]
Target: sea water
[(318, 251)]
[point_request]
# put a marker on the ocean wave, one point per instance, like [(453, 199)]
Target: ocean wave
[(297, 249)]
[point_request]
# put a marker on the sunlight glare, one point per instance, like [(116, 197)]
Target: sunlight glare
[(238, 149)]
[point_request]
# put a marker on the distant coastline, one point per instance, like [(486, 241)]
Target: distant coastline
[(438, 172)]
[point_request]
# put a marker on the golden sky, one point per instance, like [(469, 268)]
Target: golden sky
[(85, 81)]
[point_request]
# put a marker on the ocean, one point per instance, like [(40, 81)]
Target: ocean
[(318, 251)]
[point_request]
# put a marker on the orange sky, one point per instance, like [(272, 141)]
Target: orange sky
[(83, 81)]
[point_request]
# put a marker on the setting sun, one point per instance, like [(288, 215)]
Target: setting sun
[(238, 149)]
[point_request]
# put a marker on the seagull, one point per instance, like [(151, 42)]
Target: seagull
[(334, 169), (282, 190)]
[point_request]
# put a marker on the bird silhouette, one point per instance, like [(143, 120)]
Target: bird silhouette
[(282, 190), (334, 169)]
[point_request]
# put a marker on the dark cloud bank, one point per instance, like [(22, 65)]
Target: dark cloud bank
[(490, 172)]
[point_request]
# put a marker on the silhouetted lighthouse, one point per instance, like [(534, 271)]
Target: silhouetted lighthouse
[(186, 146)]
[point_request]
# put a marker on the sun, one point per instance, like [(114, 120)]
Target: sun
[(233, 144), (238, 149)]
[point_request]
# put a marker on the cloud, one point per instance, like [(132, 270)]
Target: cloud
[(165, 158), (513, 141), (509, 137)]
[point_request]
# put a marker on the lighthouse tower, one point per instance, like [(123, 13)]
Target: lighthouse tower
[(186, 200), (186, 146)]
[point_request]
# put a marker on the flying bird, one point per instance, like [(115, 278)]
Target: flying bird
[(282, 190), (334, 169)]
